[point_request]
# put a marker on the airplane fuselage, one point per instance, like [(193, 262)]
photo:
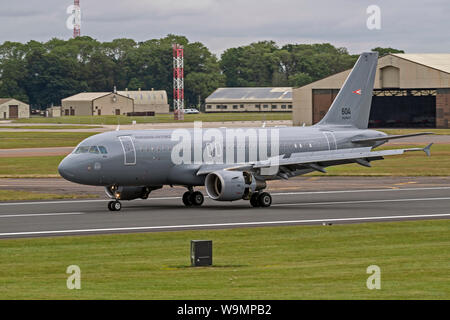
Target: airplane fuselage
[(146, 157)]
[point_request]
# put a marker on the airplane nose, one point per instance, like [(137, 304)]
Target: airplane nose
[(65, 169)]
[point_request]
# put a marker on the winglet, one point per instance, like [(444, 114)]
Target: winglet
[(427, 149)]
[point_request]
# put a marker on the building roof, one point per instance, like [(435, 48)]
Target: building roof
[(86, 96), (4, 100), (146, 96), (251, 94), (439, 61)]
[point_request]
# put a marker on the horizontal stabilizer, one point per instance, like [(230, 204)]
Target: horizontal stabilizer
[(427, 149), (385, 138)]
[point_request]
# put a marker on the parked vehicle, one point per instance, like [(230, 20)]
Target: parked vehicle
[(191, 111)]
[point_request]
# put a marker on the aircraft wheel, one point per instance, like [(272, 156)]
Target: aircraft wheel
[(196, 198), (116, 205), (110, 205), (265, 200), (254, 200), (187, 199)]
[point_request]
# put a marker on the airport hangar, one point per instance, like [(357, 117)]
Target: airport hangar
[(13, 109), (262, 99), (115, 103), (411, 90)]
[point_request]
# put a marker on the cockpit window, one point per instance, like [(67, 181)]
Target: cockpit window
[(93, 149), (82, 150)]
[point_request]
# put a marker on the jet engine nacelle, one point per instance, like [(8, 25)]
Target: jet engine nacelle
[(231, 185), (127, 193)]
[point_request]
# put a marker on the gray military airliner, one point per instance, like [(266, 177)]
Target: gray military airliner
[(131, 164)]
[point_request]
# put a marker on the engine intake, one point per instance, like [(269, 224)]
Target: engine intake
[(231, 185)]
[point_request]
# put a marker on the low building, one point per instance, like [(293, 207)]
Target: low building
[(148, 100), (53, 112), (13, 109), (97, 104), (250, 100), (410, 90)]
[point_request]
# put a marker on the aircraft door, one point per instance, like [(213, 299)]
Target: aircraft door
[(128, 150)]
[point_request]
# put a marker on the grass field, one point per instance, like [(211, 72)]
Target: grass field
[(13, 140), (49, 127), (320, 262), (161, 118), (15, 195), (23, 167)]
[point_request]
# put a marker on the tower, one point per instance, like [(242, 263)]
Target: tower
[(77, 18), (178, 81)]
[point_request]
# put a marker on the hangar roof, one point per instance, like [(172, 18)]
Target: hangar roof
[(146, 96), (439, 61), (252, 94)]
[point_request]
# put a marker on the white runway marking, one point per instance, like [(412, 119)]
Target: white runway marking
[(273, 194), (357, 191), (37, 215), (356, 202), (218, 225)]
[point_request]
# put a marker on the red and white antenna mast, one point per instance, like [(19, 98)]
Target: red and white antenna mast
[(178, 81), (77, 18)]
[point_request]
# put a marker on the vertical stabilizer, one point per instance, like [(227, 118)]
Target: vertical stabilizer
[(351, 107)]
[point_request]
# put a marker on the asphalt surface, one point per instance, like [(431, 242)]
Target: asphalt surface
[(60, 218)]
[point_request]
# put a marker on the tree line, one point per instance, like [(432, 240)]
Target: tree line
[(42, 74)]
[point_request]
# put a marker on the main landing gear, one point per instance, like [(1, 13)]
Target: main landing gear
[(193, 198), (262, 199), (114, 205)]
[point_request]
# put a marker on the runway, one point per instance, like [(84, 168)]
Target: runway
[(82, 217)]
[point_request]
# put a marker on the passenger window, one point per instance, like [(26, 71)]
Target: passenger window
[(94, 149), (103, 150)]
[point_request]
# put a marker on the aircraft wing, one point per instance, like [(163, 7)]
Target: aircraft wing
[(312, 161), (385, 138), (325, 157)]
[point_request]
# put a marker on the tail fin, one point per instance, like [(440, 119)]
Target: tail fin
[(352, 104)]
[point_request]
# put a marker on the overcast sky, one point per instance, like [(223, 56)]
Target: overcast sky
[(412, 25)]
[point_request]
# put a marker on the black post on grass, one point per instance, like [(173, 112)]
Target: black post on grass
[(201, 253)]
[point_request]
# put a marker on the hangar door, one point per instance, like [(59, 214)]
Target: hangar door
[(391, 108), (403, 112)]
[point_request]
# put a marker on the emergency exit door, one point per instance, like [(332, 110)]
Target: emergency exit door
[(129, 150)]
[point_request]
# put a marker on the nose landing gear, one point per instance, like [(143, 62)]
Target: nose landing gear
[(114, 205)]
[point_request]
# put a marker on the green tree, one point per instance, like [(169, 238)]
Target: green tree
[(385, 51)]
